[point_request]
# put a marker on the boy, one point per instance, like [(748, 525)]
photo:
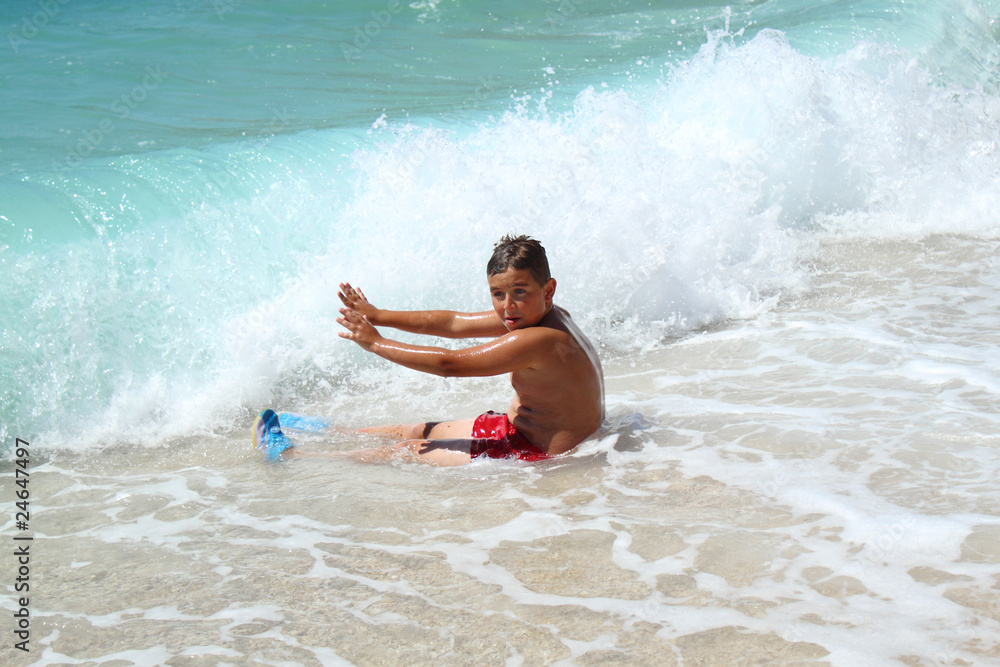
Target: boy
[(554, 370)]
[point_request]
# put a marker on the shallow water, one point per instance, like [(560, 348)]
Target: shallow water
[(817, 486)]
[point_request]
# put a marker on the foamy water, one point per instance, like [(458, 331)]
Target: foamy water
[(816, 485), (778, 227)]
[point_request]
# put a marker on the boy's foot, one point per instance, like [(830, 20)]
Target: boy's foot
[(304, 422), (268, 438)]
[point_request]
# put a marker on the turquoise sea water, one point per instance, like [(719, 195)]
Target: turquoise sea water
[(778, 220), (167, 169)]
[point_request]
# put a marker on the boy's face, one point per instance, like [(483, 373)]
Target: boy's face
[(519, 300)]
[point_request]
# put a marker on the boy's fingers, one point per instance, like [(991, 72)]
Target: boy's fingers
[(347, 289), (351, 319)]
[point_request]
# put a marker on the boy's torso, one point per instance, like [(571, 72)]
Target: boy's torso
[(558, 404)]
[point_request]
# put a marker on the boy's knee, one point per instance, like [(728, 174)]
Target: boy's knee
[(414, 446), (431, 451), (413, 431), (420, 431), (425, 429)]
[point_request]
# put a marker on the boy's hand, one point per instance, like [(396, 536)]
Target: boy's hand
[(355, 300), (359, 329)]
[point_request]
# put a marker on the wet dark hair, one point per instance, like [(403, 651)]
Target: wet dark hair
[(519, 252)]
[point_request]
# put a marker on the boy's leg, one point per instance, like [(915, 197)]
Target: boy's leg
[(446, 452), (439, 452), (437, 443), (424, 431), (398, 431)]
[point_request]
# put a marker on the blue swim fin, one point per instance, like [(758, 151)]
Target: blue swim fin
[(305, 422), (267, 436)]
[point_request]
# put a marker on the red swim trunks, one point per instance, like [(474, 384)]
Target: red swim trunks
[(496, 438)]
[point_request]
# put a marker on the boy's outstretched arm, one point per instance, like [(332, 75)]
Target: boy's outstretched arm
[(508, 353), (444, 323)]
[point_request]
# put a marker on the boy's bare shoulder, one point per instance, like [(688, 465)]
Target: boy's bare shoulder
[(540, 334), (552, 338)]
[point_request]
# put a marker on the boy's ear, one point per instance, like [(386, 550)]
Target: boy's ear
[(549, 289)]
